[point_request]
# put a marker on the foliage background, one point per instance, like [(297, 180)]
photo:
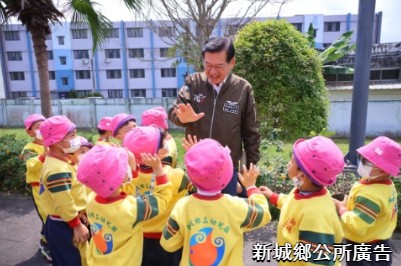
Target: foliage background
[(286, 75), (275, 155)]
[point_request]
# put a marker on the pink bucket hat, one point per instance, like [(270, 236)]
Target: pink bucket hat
[(55, 128), (118, 120), (85, 142), (209, 165), (384, 153), (142, 140), (105, 123), (156, 116), (103, 169), (33, 118), (320, 159)]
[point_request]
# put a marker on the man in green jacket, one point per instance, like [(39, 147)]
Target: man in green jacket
[(220, 105)]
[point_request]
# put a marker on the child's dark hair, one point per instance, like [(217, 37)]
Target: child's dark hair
[(163, 134), (101, 132), (218, 44)]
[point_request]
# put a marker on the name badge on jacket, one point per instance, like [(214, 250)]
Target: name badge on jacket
[(231, 107)]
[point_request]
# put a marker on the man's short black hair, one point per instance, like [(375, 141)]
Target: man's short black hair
[(218, 44)]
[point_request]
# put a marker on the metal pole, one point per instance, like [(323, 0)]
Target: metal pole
[(93, 76), (360, 93)]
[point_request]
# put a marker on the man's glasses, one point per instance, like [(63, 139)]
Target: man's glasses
[(218, 67)]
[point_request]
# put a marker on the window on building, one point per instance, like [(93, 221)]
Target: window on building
[(136, 73), (298, 26), (64, 81), (390, 74), (63, 60), (48, 37), (14, 56), (79, 54), (17, 75), (167, 72), (52, 75), (138, 93), (345, 77), (136, 53), (115, 93), (113, 33), (135, 32), (330, 77), (82, 74), (80, 34), (163, 52), (166, 32), (112, 53), (18, 94), (113, 74), (167, 93), (83, 93), (375, 75), (326, 45), (49, 55), (60, 40), (11, 35), (331, 26)]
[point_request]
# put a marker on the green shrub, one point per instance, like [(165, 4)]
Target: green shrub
[(12, 168), (286, 75)]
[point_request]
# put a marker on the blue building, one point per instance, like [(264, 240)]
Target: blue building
[(133, 62)]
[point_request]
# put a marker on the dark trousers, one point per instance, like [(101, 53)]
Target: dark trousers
[(154, 255), (59, 238), (231, 188), (380, 254)]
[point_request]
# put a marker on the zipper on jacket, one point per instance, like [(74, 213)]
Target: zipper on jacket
[(214, 107)]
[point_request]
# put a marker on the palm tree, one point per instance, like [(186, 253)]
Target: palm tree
[(37, 15)]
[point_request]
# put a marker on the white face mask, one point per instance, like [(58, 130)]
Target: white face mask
[(38, 135), (364, 170), (75, 144)]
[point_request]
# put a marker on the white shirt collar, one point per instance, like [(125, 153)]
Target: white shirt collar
[(218, 88)]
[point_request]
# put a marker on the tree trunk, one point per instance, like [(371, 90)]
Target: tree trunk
[(39, 46)]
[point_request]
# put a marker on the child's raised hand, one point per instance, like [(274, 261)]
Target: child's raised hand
[(189, 141), (151, 160), (267, 192), (248, 177)]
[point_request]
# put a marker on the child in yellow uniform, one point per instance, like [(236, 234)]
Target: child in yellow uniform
[(62, 195), (34, 155), (157, 116), (209, 225), (369, 214), (115, 217), (121, 124), (104, 130), (150, 140), (308, 216)]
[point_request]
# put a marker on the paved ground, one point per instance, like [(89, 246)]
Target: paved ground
[(20, 226)]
